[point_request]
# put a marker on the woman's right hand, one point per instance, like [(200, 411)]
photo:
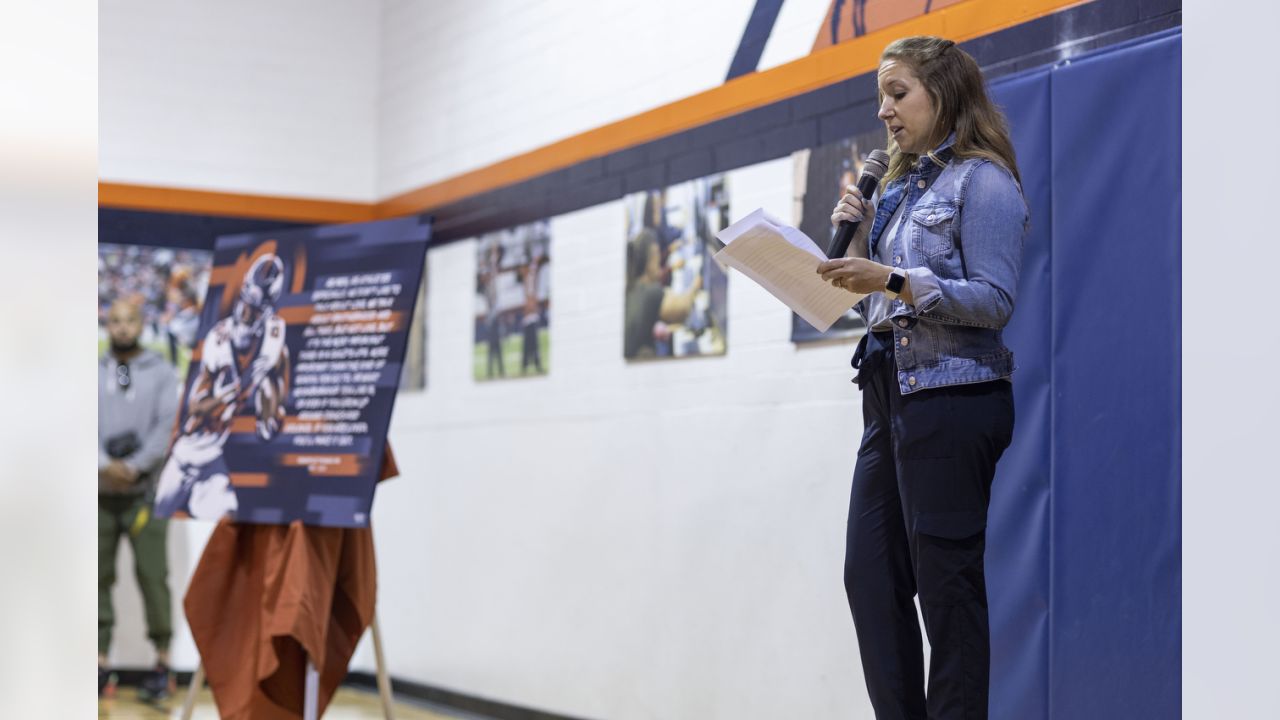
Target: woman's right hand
[(854, 208)]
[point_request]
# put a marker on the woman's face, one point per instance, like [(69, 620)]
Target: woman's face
[(906, 108)]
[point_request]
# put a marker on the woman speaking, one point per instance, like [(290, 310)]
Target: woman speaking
[(939, 265)]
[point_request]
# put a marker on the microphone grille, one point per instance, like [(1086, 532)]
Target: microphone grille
[(876, 165)]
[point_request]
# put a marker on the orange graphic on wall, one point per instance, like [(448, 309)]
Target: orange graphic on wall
[(848, 19)]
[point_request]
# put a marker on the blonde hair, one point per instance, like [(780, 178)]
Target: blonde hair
[(959, 93)]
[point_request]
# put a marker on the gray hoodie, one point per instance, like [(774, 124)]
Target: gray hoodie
[(147, 409)]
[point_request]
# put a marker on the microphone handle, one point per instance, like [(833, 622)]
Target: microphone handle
[(846, 230)]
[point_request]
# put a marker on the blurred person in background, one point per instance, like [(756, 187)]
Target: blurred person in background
[(137, 403), (490, 269), (531, 321), (647, 301)]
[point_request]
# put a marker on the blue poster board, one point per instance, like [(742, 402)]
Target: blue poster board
[(289, 393)]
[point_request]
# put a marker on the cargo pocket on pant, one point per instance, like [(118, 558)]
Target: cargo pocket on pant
[(954, 525), (949, 557)]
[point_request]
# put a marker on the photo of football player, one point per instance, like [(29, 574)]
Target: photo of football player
[(244, 370)]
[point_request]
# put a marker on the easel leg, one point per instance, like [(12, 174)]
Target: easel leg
[(197, 682), (384, 679), (311, 698)]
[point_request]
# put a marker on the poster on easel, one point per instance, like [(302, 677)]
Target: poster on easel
[(291, 384)]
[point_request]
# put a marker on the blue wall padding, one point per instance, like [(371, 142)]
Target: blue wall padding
[(1117, 376), (1084, 549), (1018, 551)]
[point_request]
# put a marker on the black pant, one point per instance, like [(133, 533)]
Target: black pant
[(917, 525), (530, 354), (495, 346)]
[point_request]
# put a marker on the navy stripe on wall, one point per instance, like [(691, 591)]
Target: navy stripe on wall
[(751, 47), (176, 230)]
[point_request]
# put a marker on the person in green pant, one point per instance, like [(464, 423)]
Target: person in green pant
[(137, 403)]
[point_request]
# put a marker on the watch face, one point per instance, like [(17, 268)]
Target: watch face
[(895, 282)]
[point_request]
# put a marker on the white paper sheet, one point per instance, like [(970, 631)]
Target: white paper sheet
[(784, 261)]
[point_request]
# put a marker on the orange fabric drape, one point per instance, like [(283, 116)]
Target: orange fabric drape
[(265, 597)]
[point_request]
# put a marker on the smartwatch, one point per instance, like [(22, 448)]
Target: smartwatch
[(897, 280)]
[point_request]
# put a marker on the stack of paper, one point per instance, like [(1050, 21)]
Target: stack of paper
[(784, 261)]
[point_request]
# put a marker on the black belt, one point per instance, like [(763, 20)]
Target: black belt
[(874, 349)]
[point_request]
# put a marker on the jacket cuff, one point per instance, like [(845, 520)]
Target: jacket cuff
[(924, 289)]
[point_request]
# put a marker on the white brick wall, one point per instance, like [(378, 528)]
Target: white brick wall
[(358, 100), (467, 83), (276, 98)]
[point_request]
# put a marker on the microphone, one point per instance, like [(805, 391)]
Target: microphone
[(873, 169)]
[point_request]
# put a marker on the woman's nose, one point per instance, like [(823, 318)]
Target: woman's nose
[(884, 113)]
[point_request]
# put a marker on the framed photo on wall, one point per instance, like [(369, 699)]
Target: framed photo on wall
[(513, 299), (676, 294)]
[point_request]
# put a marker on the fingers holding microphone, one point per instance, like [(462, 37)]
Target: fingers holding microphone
[(850, 237), (852, 207)]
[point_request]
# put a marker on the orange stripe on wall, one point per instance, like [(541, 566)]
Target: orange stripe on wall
[(205, 202), (961, 21)]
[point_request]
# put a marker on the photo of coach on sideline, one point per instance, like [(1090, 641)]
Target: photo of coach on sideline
[(675, 294)]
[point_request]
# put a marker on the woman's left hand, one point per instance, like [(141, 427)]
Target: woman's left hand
[(857, 275)]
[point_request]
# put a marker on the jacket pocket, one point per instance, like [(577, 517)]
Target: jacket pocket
[(932, 229)]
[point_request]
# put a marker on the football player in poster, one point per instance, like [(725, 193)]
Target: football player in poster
[(244, 370)]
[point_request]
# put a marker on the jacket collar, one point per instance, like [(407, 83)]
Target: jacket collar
[(944, 152)]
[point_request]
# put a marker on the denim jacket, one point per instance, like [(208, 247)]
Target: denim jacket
[(966, 221)]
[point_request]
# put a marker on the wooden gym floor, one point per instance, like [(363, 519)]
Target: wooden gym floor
[(348, 704)]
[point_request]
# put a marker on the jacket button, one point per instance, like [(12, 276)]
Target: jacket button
[(904, 342), (931, 217), (902, 322), (920, 184), (911, 380), (897, 259)]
